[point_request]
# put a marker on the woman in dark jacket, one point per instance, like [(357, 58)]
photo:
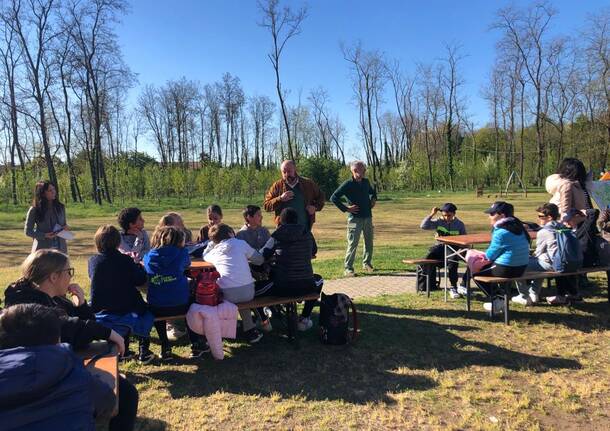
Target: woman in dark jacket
[(46, 276), (44, 217)]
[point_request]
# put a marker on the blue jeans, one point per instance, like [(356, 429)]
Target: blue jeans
[(535, 264)]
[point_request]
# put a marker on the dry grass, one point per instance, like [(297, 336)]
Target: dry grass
[(419, 364)]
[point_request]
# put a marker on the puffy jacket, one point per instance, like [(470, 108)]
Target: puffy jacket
[(167, 284), (47, 388), (510, 243), (566, 193), (292, 246), (78, 327), (215, 323)]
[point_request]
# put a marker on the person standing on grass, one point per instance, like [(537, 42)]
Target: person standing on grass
[(447, 225), (294, 191), (361, 197), (45, 218)]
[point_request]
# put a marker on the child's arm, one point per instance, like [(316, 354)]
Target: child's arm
[(429, 224), (268, 249), (495, 248)]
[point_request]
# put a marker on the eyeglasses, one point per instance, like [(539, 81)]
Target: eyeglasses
[(69, 271)]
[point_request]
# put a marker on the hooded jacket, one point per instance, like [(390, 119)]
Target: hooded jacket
[(292, 245), (78, 327), (510, 243), (48, 388), (167, 284)]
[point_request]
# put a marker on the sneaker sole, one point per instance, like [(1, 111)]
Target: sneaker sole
[(146, 361)]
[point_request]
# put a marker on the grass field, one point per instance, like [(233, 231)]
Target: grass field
[(419, 363)]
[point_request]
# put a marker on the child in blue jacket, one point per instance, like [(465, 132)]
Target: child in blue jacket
[(508, 250), (168, 288)]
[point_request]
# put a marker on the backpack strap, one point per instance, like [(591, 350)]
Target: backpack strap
[(354, 312)]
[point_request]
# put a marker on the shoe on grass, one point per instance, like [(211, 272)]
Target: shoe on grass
[(166, 354), (368, 268), (266, 326), (453, 293), (498, 306), (253, 336), (557, 300), (128, 355), (173, 332), (198, 349), (534, 297), (146, 357), (462, 290), (349, 273), (304, 324), (520, 299)]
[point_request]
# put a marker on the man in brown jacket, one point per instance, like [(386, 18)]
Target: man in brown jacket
[(296, 192)]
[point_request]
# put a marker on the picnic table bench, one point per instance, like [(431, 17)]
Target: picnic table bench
[(101, 358), (419, 270), (506, 282)]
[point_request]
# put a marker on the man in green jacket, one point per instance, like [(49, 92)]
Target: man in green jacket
[(361, 198)]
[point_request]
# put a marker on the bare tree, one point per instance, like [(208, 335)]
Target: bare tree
[(283, 24)]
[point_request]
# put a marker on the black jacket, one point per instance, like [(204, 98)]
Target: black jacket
[(79, 327), (114, 277), (293, 247)]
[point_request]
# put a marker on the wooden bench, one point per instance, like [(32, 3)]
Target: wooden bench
[(290, 304), (419, 269), (506, 282), (101, 358)]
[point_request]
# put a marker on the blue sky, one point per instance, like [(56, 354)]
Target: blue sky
[(163, 40)]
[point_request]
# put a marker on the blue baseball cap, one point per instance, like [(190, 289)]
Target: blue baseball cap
[(448, 207), (500, 207)]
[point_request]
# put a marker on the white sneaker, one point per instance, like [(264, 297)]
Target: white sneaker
[(520, 299), (557, 300), (304, 323), (462, 290), (534, 298), (173, 333), (453, 294), (498, 306), (349, 273)]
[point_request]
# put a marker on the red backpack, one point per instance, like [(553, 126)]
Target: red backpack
[(207, 291)]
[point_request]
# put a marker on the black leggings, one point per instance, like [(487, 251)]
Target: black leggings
[(293, 288), (167, 312), (128, 407), (437, 252), (497, 270)]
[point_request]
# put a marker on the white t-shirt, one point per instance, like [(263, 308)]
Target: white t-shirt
[(230, 257)]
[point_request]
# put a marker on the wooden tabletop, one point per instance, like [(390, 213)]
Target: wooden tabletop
[(471, 239), (201, 264), (105, 367)]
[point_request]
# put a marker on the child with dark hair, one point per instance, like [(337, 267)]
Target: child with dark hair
[(253, 231), (115, 298), (134, 239), (292, 247), (44, 384), (446, 225), (508, 250), (214, 214), (168, 288), (231, 257), (542, 260)]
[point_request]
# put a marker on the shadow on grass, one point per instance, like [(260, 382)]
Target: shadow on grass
[(392, 356), (148, 424)]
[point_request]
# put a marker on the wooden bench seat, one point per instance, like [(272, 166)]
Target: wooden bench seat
[(507, 282), (268, 301)]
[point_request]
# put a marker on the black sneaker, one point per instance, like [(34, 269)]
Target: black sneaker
[(128, 355), (254, 336), (166, 354), (198, 349), (146, 357)]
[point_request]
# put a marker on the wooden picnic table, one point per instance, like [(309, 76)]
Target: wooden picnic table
[(458, 246), (101, 358)]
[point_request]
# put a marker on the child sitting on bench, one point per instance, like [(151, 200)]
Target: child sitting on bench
[(292, 247), (44, 384), (168, 288), (115, 298), (508, 250), (447, 225), (231, 257)]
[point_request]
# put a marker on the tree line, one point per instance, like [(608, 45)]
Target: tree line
[(64, 114)]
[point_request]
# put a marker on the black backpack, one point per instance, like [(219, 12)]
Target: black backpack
[(338, 319)]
